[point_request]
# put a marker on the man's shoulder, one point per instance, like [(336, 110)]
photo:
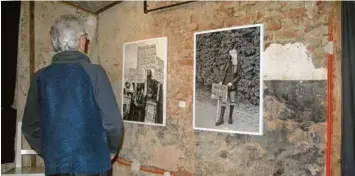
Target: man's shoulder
[(93, 69), (89, 67), (40, 71)]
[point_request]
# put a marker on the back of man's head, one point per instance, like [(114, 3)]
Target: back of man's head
[(66, 33)]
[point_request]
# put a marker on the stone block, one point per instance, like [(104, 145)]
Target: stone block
[(192, 27), (274, 25)]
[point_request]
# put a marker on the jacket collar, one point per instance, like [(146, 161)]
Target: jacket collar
[(70, 57)]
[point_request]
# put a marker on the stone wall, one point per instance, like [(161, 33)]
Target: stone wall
[(294, 126), (294, 101), (45, 13)]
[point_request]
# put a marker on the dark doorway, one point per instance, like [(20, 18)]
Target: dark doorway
[(348, 88), (10, 16)]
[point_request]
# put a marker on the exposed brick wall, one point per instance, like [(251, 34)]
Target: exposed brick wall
[(177, 146)]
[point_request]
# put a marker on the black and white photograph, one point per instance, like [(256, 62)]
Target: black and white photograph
[(144, 81), (228, 94)]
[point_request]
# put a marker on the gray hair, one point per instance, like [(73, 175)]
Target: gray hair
[(66, 32)]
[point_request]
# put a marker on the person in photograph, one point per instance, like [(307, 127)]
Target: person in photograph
[(139, 103), (232, 73), (128, 93), (132, 108), (151, 87), (128, 90), (154, 93), (159, 115)]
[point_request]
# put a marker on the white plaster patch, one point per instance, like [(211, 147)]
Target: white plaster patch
[(167, 174), (182, 104), (135, 166), (329, 47), (290, 62)]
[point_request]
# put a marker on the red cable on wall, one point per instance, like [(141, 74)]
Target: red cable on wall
[(329, 113), (142, 168)]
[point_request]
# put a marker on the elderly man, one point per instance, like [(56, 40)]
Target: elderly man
[(71, 117), (232, 74)]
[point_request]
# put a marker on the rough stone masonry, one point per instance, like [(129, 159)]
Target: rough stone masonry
[(294, 134)]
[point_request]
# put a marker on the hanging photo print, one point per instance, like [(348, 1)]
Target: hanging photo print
[(145, 78), (227, 80)]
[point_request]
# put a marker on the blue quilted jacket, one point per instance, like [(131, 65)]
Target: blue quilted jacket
[(71, 116)]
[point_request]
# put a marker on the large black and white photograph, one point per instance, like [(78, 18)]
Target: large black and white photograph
[(228, 92), (144, 81)]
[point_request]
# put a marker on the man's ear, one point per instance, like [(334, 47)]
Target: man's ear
[(82, 43), (87, 45)]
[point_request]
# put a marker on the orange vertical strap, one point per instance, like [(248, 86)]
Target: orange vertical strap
[(329, 112)]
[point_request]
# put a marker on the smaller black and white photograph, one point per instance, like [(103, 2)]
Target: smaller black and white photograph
[(228, 94), (144, 81)]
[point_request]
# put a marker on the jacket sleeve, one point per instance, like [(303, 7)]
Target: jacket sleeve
[(238, 74), (30, 122), (110, 113)]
